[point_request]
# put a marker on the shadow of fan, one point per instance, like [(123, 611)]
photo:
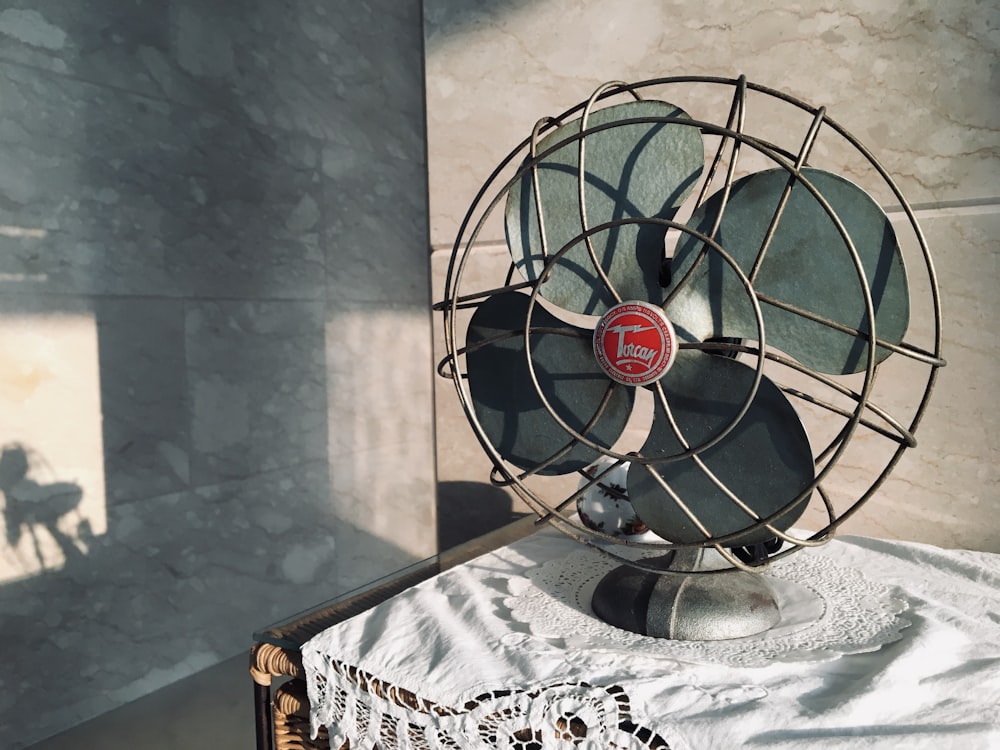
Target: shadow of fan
[(466, 510), (30, 506)]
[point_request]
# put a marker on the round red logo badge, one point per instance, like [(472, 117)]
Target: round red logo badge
[(635, 343)]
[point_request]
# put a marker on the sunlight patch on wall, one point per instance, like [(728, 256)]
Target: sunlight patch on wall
[(52, 502), (381, 424), (37, 233)]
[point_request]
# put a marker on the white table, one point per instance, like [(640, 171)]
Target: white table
[(883, 644)]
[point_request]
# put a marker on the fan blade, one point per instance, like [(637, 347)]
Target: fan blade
[(765, 460), (637, 170), (505, 399), (807, 265), (716, 304)]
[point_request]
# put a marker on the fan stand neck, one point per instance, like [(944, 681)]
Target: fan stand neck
[(683, 605)]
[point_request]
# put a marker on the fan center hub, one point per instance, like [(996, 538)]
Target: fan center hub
[(635, 343)]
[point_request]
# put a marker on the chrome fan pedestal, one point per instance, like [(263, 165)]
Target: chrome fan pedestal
[(684, 605)]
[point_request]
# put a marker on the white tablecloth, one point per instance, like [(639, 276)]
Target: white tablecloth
[(884, 644)]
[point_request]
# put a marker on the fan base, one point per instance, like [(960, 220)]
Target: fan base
[(686, 606)]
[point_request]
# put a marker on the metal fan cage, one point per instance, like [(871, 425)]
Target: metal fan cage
[(849, 403)]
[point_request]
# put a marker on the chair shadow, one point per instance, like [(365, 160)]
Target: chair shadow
[(33, 508)]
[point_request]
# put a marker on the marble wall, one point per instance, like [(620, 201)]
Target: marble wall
[(914, 81), (214, 332), (215, 399)]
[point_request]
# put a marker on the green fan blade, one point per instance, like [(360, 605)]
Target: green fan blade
[(765, 460), (636, 170), (507, 403), (807, 265)]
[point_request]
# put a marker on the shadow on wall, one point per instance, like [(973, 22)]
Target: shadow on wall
[(451, 18), (466, 510), (160, 268), (34, 509)]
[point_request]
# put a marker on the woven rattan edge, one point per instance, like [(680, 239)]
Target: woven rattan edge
[(291, 720), (268, 661)]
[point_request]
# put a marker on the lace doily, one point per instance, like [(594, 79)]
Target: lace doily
[(826, 611), (369, 713)]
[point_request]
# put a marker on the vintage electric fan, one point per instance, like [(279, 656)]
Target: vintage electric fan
[(739, 317)]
